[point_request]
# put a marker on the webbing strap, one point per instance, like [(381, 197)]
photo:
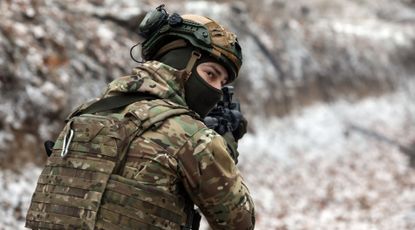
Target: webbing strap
[(122, 157), (170, 46), (115, 102), (195, 56)]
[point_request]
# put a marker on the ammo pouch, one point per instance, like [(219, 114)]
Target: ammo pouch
[(80, 186)]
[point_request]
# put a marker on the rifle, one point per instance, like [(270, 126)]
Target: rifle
[(407, 150), (226, 116)]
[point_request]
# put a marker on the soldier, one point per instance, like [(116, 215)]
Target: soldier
[(141, 157)]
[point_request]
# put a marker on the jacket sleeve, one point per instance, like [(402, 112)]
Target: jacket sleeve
[(214, 183)]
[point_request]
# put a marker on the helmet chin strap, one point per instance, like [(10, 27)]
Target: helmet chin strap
[(190, 64)]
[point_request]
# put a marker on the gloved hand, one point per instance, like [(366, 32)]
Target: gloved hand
[(232, 146), (240, 131), (233, 137)]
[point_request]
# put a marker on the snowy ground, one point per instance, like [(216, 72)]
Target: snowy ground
[(15, 193), (308, 170)]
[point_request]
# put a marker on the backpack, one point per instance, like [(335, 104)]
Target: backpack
[(85, 164)]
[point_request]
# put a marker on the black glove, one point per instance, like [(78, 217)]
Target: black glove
[(240, 131)]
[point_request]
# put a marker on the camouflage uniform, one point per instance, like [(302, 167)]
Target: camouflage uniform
[(176, 158), (183, 151)]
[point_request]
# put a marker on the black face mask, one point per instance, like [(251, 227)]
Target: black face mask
[(200, 96)]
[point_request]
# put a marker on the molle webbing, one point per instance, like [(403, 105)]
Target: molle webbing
[(70, 189), (126, 199), (82, 189)]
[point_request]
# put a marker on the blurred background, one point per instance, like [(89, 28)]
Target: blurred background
[(328, 87)]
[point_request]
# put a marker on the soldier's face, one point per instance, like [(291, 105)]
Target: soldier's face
[(213, 73)]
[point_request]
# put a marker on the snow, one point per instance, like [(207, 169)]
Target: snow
[(20, 28), (105, 33), (4, 138), (38, 32), (370, 29), (16, 192)]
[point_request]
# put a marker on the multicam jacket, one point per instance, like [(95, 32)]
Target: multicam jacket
[(176, 158)]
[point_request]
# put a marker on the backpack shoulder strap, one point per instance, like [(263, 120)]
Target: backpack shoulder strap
[(113, 102)]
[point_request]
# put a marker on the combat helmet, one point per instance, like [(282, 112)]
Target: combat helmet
[(159, 28)]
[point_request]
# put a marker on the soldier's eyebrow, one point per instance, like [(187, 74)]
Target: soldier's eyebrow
[(218, 71)]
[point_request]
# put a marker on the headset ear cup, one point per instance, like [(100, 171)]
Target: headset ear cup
[(139, 19), (153, 21)]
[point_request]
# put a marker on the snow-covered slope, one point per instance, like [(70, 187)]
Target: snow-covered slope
[(312, 171)]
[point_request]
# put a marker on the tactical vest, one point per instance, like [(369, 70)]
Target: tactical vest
[(81, 186)]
